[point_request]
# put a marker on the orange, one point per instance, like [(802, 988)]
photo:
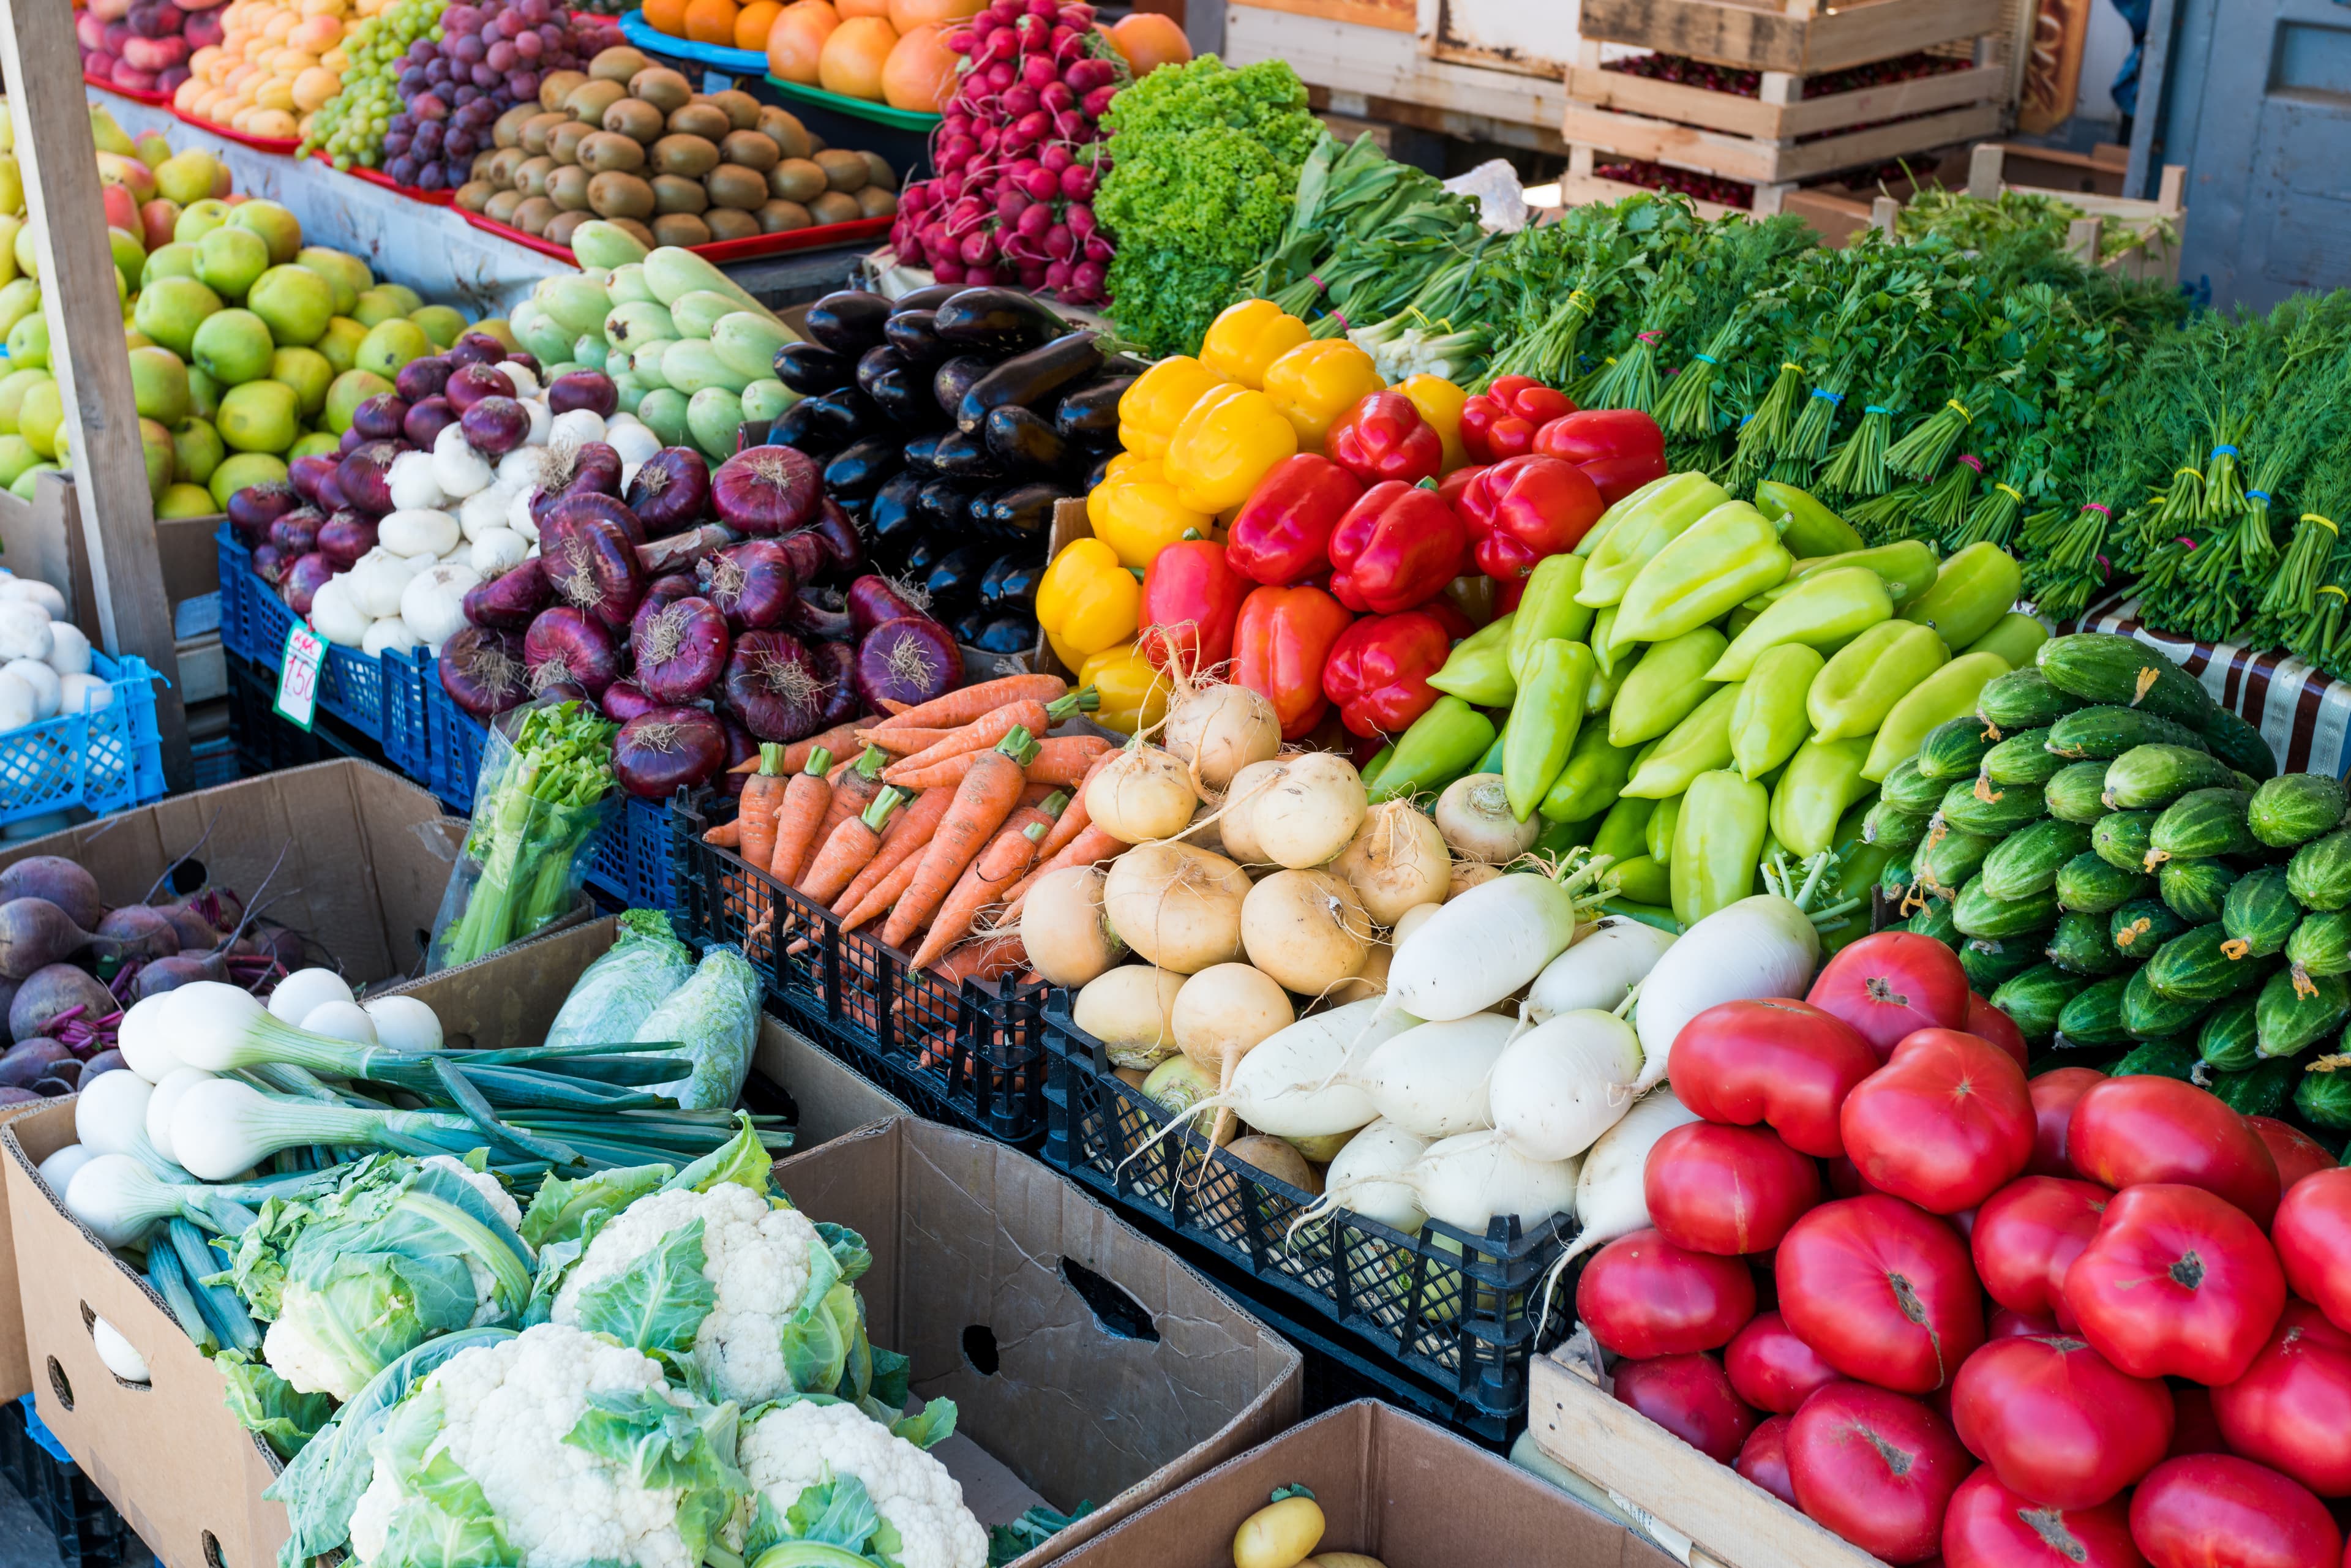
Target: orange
[(751, 26), (796, 40), (853, 58), (710, 21), (1149, 40), (849, 8), (666, 16), (908, 15), (920, 73)]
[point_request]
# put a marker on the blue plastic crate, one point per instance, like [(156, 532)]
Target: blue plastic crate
[(103, 761), (382, 698), (454, 744), (407, 741), (236, 579)]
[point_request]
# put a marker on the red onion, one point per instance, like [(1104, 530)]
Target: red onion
[(296, 533), (910, 660), (269, 564), (475, 349), (767, 490), (427, 418), (364, 478), (742, 746), (591, 563), (671, 490), (568, 644), (806, 552), (380, 417), (471, 383), (303, 473), (345, 539), (331, 488), (844, 547), (665, 749), (663, 591), (680, 650), (813, 616), (874, 599), (775, 687), (493, 424), (590, 389), (420, 378), (623, 700), (836, 664), (565, 692), (752, 583), (513, 599), (597, 504), (303, 580), (680, 552), (481, 669), (591, 468)]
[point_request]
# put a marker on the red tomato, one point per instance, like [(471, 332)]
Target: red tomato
[(2216, 1510), (1990, 1526), (1764, 1459), (1690, 1396), (2312, 1232), (2297, 1154), (2054, 1093), (1780, 1062), (1883, 1291), (2291, 1409), (1729, 1190), (1642, 1296), (1986, 1021), (2057, 1423), (1877, 1469), (2194, 1428), (2177, 1282), (2007, 1323), (2129, 1131), (1893, 984), (1771, 1368), (1946, 1122), (1843, 1180), (2028, 1234)]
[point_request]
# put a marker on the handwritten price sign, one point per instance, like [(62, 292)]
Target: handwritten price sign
[(298, 674)]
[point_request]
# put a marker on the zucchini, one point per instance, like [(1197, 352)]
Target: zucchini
[(2321, 944), (2324, 1097), (2295, 808), (2320, 872), (1907, 790), (1949, 857), (1955, 749), (2294, 1010), (2149, 1014), (2033, 999), (2204, 823), (2103, 734), (2022, 699), (2149, 778), (2022, 759), (2075, 792), (2259, 1090), (2162, 1058), (1975, 806), (2195, 889), (2121, 839), (2089, 884), (2095, 1015), (2081, 945), (2029, 859), (2141, 926), (2240, 744), (1990, 963), (2259, 912), (1977, 913), (2101, 667), (1897, 829), (2227, 1039), (2192, 966)]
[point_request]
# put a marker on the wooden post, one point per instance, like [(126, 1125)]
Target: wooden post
[(1984, 162), (59, 162)]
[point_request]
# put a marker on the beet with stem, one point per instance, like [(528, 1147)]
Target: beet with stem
[(35, 932), (62, 882), (52, 991)]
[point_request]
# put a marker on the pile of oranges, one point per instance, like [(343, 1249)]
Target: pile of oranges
[(890, 52)]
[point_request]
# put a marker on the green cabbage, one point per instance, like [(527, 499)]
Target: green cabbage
[(714, 1018), (613, 995)]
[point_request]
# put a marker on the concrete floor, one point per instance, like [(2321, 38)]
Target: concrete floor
[(25, 1542)]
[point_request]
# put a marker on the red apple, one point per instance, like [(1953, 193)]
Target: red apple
[(157, 219), (121, 208)]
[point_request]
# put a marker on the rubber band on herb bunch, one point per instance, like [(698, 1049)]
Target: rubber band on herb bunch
[(1808, 438), (1858, 467), (1993, 518)]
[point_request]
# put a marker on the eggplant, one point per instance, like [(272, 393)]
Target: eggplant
[(966, 457), (1098, 474), (954, 577), (810, 369), (979, 514), (1022, 441), (915, 334), (1025, 510), (806, 426), (1090, 408), (968, 625), (998, 320), (889, 515), (930, 296), (846, 416), (859, 470), (1007, 634), (848, 322), (956, 377), (922, 452), (1010, 580), (939, 505), (1030, 379), (903, 394), (873, 362), (927, 552), (1124, 365)]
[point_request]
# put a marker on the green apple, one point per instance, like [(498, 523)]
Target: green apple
[(260, 416), (441, 324), (172, 260), (379, 304), (233, 347), (297, 303), (307, 373), (185, 501), (155, 446), (170, 311), (274, 224), (130, 256), (341, 343), (16, 455), (159, 382), (199, 218), (184, 177), (196, 450), (40, 415), (204, 394), (26, 252), (392, 344), (315, 444), (348, 273), (29, 343), (23, 489), (350, 389), (17, 301), (410, 300), (230, 261), (496, 326), (13, 387), (242, 470)]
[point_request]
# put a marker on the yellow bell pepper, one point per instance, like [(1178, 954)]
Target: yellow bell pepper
[(1150, 410), (1248, 338), (1224, 446), (1087, 601), (1440, 403), (1138, 518), (1313, 384), (1134, 694), (1125, 468), (1130, 464)]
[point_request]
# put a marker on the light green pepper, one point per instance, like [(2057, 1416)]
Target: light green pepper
[(1731, 553), (1770, 722), (1548, 608), (1611, 663), (1822, 779), (1624, 832), (2015, 637), (1442, 744), (1653, 517), (1658, 836), (1973, 591), (1717, 842), (1860, 686), (1371, 773), (1642, 880), (1699, 744), (1595, 776), (1908, 567), (1602, 693), (1826, 610), (1543, 722), (1589, 545), (1948, 694), (1492, 762), (1806, 526), (1477, 671), (1669, 681)]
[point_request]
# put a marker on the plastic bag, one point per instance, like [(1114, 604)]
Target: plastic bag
[(714, 1018), (613, 995)]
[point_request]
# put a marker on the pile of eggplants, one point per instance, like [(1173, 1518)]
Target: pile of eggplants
[(949, 421)]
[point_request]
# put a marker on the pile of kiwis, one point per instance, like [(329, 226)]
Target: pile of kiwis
[(631, 142)]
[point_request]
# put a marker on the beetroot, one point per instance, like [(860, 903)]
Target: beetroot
[(752, 583), (345, 539), (297, 532), (427, 418), (470, 384), (104, 1062), (364, 479), (252, 509), (308, 574), (144, 933), (623, 700), (767, 490), (910, 660), (35, 932), (873, 600), (481, 669), (52, 990), (423, 378), (191, 928), (671, 490), (591, 562), (381, 417), (844, 547), (775, 687), (590, 389), (62, 882), (664, 749), (591, 468), (512, 600), (26, 1064), (303, 473), (494, 425), (568, 644), (680, 650)]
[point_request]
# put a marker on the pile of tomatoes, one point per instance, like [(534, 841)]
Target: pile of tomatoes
[(2069, 1321)]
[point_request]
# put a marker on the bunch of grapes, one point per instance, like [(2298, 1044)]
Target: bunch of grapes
[(480, 62), (352, 125)]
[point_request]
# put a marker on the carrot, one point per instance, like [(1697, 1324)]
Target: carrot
[(805, 800), (841, 740), (890, 890), (903, 840), (1076, 819), (903, 742), (1007, 857), (966, 704), (850, 848), (984, 959), (851, 792), (726, 834), (1028, 714), (1091, 844), (763, 793), (1065, 759), (985, 796)]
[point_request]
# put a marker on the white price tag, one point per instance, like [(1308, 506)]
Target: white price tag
[(298, 674)]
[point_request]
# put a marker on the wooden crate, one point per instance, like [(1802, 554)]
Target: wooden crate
[(2160, 225), (1499, 35), (1781, 112), (1797, 36), (1375, 70)]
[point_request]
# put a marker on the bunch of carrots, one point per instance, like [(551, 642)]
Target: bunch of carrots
[(940, 812)]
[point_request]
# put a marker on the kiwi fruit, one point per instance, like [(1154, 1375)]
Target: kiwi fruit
[(533, 217), (834, 207), (499, 208), (677, 193), (500, 170), (816, 144), (663, 87), (559, 228), (557, 85), (566, 187), (845, 172), (688, 155), (796, 180), (783, 128), (473, 195), (750, 150), (877, 203), (680, 228), (733, 185), (614, 194), (635, 119), (742, 110), (777, 216), (727, 223), (531, 178), (618, 64), (636, 231), (878, 172), (590, 100), (703, 120), (536, 131), (507, 131), (608, 149), (563, 142)]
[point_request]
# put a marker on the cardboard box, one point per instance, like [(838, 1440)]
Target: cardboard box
[(169, 1454), (1391, 1486)]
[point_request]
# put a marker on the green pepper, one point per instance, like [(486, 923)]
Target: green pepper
[(1669, 681), (1908, 567), (1657, 834), (1822, 779), (1442, 744), (1370, 771), (1479, 669), (1717, 842), (1646, 914), (1731, 553), (1492, 762), (1624, 832), (1856, 691), (1595, 776), (2015, 637), (1948, 694), (1601, 694), (1548, 608), (1806, 526), (1543, 722), (1825, 610), (1624, 507), (1699, 744), (1603, 653), (1973, 591), (1643, 881), (1558, 837), (1769, 721), (1651, 518)]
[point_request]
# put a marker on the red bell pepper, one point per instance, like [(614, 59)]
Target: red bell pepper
[(1282, 533), (1384, 437), (1620, 449), (1523, 509), (1191, 600), (1379, 669), (1501, 420), (1396, 549), (1281, 643)]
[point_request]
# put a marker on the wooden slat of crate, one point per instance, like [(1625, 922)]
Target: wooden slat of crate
[(1764, 163), (1392, 15), (1730, 111), (1770, 40), (1380, 73), (1583, 190)]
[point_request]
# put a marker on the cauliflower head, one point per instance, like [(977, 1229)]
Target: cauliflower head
[(792, 1447)]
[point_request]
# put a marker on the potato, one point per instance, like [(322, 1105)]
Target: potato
[(1276, 1158), (1279, 1535)]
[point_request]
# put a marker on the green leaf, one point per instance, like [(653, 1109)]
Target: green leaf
[(835, 1514), (742, 1159), (1009, 1542), (661, 1440), (267, 1404), (892, 1374), (560, 1208), (934, 1424), (848, 1249), (446, 1522), (658, 1302), (1282, 1494)]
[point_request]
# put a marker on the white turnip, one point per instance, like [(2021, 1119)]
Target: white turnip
[(1309, 811), (1600, 971), (1242, 797), (1128, 1011), (1305, 928), (1485, 944), (1561, 1084), (1475, 819), (1176, 906), (1141, 795), (1063, 927), (1220, 729), (1396, 860)]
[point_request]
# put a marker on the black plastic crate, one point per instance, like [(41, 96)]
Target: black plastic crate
[(970, 1054), (89, 1533), (1452, 1309)]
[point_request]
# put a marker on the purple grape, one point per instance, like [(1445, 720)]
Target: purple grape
[(501, 57), (522, 84), (461, 19), (431, 177), (468, 94), (465, 49), (459, 144), (529, 45), (438, 72), (403, 171)]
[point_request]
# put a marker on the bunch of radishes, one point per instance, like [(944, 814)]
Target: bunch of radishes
[(1019, 155)]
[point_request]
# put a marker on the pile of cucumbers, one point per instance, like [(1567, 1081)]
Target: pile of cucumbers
[(2124, 871)]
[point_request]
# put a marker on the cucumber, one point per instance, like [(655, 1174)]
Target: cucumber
[(1897, 829), (2089, 884), (2195, 889), (2324, 1097), (2141, 926), (2022, 759), (1907, 790), (2022, 699), (2258, 1090), (1974, 806), (2081, 945), (2295, 808), (2294, 1009), (1935, 920), (2192, 967), (1977, 913), (2121, 839), (2202, 823), (2029, 859), (2227, 1039), (2321, 944), (2320, 872), (2076, 792), (2102, 667), (2259, 912), (1990, 963), (2106, 733), (2161, 1058), (1955, 749), (2033, 999), (1894, 878), (2149, 1014), (2244, 781), (1949, 857), (2240, 746), (2095, 1014), (2149, 778)]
